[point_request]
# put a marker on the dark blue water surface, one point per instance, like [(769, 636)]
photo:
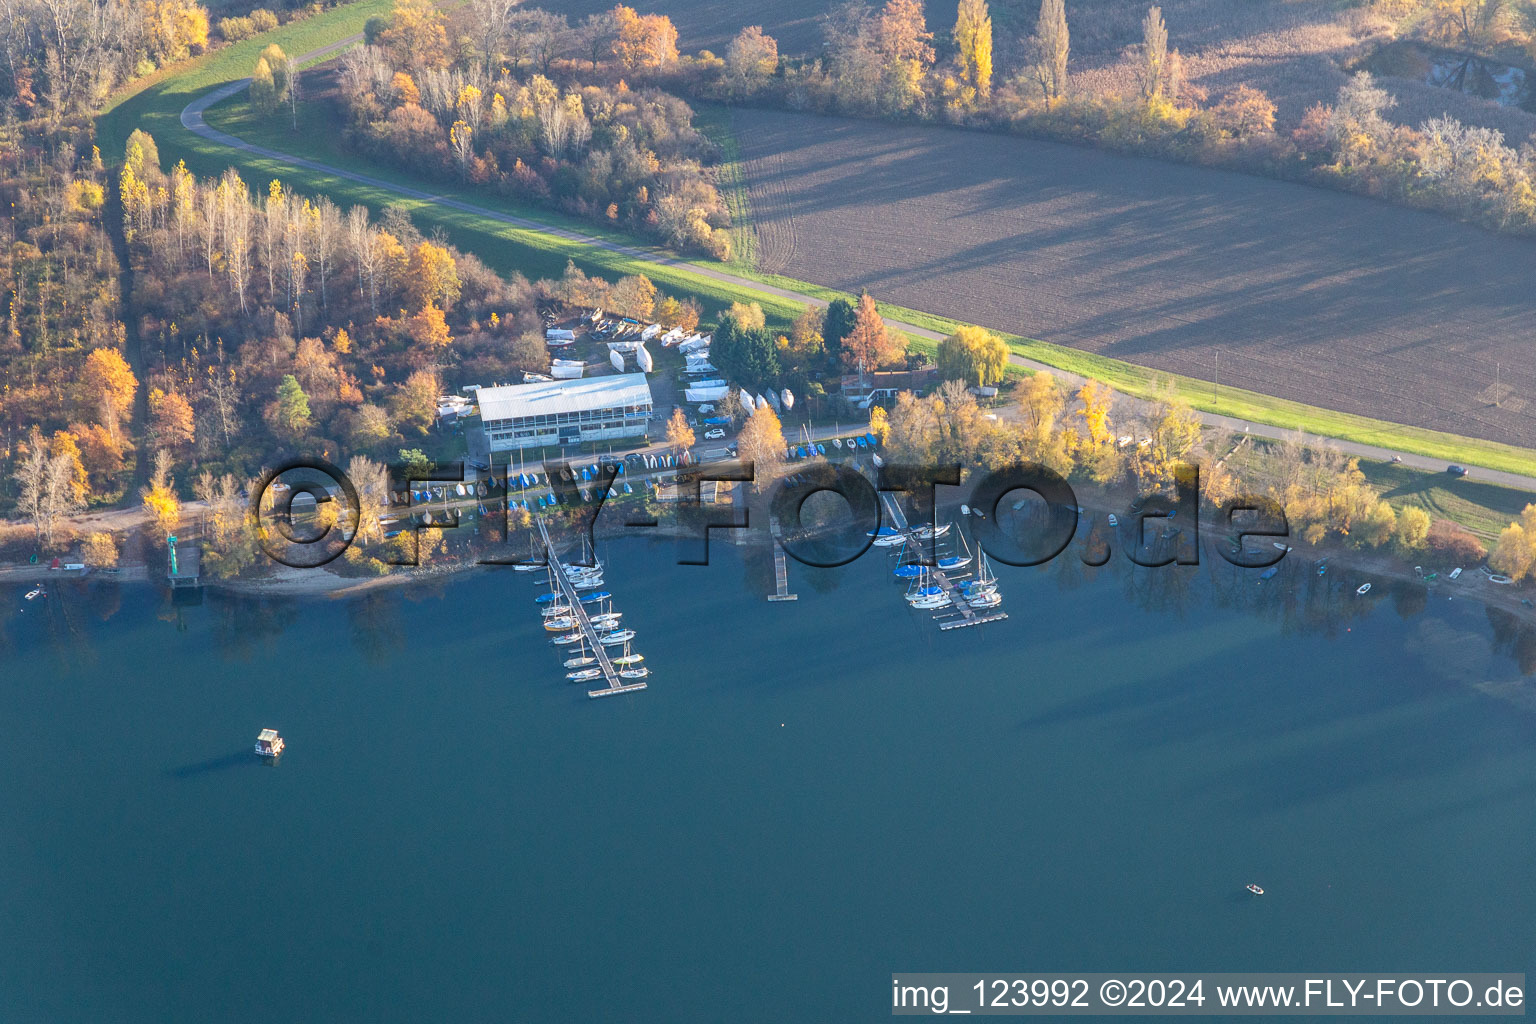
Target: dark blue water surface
[(809, 797)]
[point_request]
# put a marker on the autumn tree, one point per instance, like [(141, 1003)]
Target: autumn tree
[(761, 443), (869, 345), (1514, 555), (413, 405), (750, 60), (1049, 48), (46, 488), (644, 41), (429, 330), (99, 551), (1412, 529), (974, 355), (973, 39), (417, 36), (1244, 112), (879, 423), (108, 386), (263, 88), (431, 276), (679, 433), (160, 499), (172, 424)]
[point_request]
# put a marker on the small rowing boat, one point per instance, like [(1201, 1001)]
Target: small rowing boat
[(1365, 588), (1253, 888)]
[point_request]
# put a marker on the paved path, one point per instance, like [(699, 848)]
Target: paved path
[(192, 120)]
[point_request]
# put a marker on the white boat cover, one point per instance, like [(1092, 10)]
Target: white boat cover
[(706, 394), (617, 359), (788, 398)]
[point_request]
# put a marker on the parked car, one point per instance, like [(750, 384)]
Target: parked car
[(714, 435)]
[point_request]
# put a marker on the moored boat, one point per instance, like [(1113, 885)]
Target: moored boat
[(617, 637)]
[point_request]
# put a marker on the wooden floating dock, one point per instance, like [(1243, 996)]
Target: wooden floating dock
[(780, 569), (959, 614), (616, 683)]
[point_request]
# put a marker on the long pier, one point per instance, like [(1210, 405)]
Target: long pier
[(780, 569), (958, 614), (611, 676)]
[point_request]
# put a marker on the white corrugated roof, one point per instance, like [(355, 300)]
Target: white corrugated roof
[(546, 398)]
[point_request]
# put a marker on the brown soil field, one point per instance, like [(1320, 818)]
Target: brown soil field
[(1306, 294)]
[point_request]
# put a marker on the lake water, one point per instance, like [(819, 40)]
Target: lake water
[(809, 796)]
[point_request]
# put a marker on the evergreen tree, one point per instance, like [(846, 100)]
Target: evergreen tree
[(837, 325)]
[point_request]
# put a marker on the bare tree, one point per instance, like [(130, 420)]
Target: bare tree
[(1154, 54), (47, 488), (325, 230)]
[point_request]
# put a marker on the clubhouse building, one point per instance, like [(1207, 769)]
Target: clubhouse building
[(565, 412)]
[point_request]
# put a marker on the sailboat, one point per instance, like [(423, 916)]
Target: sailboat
[(627, 660), (984, 583), (959, 561), (621, 636)]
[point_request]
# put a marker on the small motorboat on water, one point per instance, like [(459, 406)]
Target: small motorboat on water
[(568, 638), (588, 583), (985, 599), (607, 620), (1365, 588), (936, 601), (581, 675), (1254, 888), (634, 673), (37, 592)]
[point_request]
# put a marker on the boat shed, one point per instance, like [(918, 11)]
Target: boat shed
[(561, 412)]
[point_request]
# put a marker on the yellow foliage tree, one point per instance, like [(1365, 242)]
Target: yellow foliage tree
[(679, 434), (973, 39)]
